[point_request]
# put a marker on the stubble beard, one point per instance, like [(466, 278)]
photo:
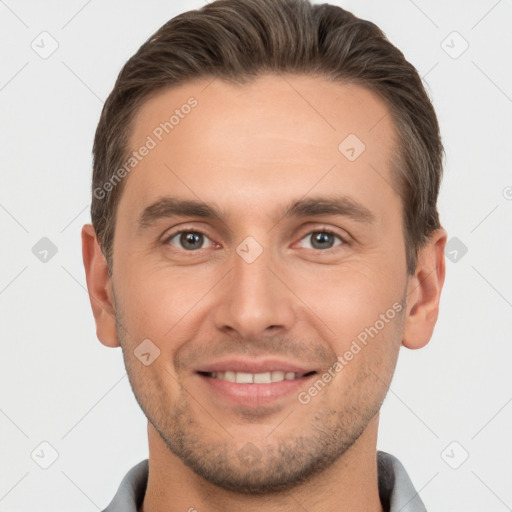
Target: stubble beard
[(286, 458)]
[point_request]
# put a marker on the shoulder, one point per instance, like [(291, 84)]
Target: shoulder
[(397, 492), (130, 494)]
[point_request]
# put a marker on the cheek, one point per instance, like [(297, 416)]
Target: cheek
[(359, 307), (350, 297), (158, 302)]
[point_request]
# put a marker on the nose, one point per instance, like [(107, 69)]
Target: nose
[(255, 299)]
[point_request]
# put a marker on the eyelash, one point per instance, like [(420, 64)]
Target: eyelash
[(309, 233)]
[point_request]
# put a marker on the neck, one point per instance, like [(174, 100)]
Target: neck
[(350, 484)]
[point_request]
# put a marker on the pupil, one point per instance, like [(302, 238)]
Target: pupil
[(191, 240), (321, 238)]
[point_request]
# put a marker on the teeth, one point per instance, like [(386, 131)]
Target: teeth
[(262, 378), (277, 376), (255, 378), (244, 378)]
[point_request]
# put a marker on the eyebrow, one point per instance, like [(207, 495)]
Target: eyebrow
[(345, 206)]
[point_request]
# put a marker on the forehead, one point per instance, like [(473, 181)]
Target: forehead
[(275, 137)]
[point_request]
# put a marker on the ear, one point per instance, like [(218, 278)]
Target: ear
[(424, 292), (99, 285)]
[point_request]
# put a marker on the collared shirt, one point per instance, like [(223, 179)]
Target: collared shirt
[(396, 491)]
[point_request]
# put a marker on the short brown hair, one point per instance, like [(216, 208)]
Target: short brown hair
[(237, 40)]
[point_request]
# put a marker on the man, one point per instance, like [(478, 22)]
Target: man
[(265, 238)]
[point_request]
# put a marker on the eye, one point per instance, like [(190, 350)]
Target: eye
[(188, 240), (322, 239)]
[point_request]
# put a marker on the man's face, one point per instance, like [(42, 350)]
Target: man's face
[(255, 290)]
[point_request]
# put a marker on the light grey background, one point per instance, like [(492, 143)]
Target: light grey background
[(59, 385)]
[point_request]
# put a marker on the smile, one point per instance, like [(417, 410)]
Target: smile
[(255, 378)]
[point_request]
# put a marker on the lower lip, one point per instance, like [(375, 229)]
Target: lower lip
[(255, 395)]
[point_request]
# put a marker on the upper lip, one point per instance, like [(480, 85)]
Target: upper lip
[(254, 366)]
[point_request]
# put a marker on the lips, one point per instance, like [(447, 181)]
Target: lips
[(255, 367), (254, 383)]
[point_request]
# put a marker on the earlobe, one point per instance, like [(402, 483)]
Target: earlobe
[(99, 286), (424, 292)]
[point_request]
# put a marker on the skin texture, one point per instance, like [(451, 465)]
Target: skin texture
[(250, 151)]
